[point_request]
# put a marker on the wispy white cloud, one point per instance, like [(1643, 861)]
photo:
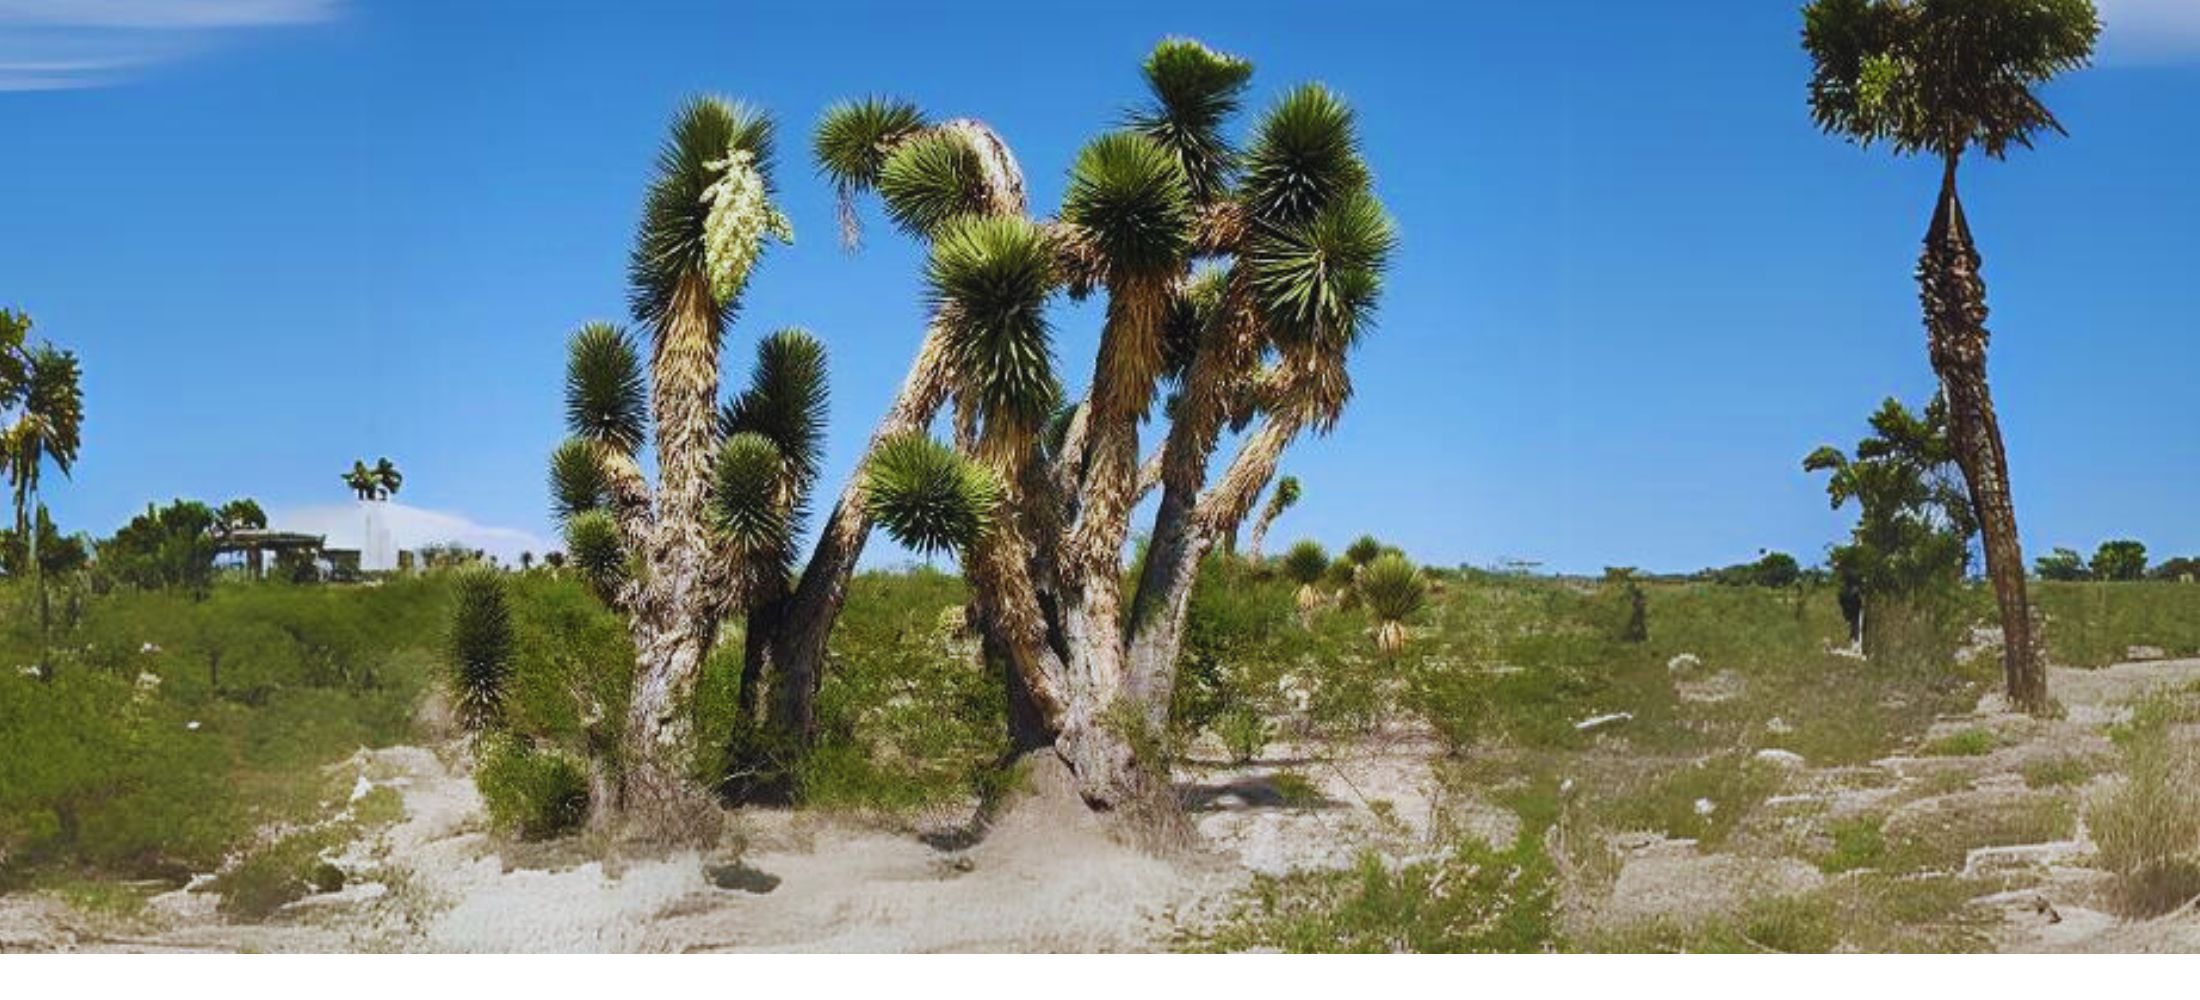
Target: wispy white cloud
[(2150, 30), (409, 528), (72, 44)]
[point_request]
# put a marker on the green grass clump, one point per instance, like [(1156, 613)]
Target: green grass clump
[(2148, 824), (536, 793), (2057, 772), (1474, 900), (1972, 742), (1869, 912), (1297, 791), (907, 717), (1858, 843), (284, 871)]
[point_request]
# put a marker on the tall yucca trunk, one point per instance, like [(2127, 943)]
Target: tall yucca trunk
[(1953, 293), (670, 615), (1102, 720)]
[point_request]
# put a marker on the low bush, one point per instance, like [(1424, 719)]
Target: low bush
[(533, 792)]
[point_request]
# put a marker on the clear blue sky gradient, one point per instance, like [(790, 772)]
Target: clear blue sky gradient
[(1636, 286)]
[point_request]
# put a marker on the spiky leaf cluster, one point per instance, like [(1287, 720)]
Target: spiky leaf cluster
[(927, 497), (1392, 588), (606, 399), (671, 244), (989, 277), (929, 179), (480, 646), (1363, 550), (1305, 153), (1319, 279), (852, 142), (1131, 196), (577, 480), (1195, 91), (592, 546), (786, 402), (1285, 496), (1305, 562), (745, 494)]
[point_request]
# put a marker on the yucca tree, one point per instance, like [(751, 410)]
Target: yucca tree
[(1305, 564), (1235, 285), (1942, 78), (1282, 498), (714, 536), (360, 480), (1392, 590), (387, 480)]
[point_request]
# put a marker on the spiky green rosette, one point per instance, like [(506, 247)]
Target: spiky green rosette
[(480, 647), (989, 278), (927, 497)]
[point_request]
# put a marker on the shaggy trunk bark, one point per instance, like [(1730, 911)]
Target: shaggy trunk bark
[(1259, 536), (657, 792), (1954, 296), (668, 619)]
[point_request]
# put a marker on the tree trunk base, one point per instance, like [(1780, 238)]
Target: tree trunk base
[(1047, 795), (664, 809)]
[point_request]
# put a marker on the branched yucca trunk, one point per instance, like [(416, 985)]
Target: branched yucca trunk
[(792, 642), (1953, 293), (1040, 521)]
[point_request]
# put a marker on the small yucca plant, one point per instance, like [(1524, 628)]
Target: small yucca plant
[(1363, 550), (1305, 564), (1393, 590), (480, 647)]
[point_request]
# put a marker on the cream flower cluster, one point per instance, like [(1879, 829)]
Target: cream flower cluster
[(740, 217)]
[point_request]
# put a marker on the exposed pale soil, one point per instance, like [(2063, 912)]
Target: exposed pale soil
[(1047, 877)]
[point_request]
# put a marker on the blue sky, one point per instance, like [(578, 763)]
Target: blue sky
[(1636, 286)]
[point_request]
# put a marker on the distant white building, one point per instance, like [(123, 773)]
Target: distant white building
[(377, 549)]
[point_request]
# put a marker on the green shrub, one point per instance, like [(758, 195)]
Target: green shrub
[(1245, 732), (2057, 772), (533, 792), (2096, 624), (1972, 742), (279, 873)]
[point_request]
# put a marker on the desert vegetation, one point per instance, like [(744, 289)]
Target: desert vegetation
[(706, 722)]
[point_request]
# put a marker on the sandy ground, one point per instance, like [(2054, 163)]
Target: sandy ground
[(1047, 878)]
